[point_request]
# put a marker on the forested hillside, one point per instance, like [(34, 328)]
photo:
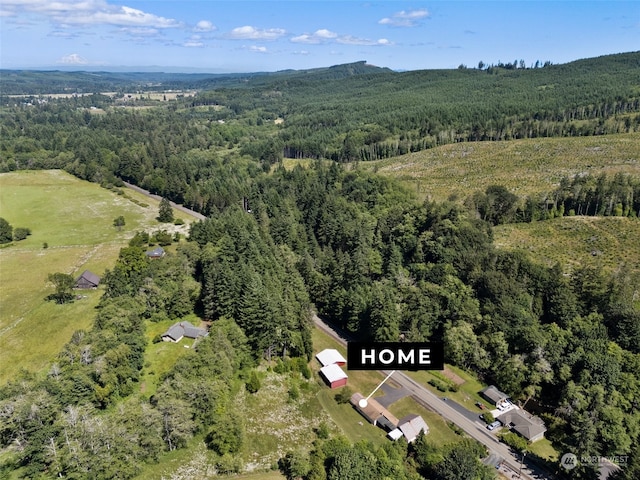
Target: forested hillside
[(358, 247)]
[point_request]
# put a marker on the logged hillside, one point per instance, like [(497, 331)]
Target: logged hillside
[(529, 167)]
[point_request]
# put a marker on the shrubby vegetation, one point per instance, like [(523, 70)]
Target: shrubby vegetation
[(9, 233)]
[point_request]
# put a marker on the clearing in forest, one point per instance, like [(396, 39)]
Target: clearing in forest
[(74, 218)]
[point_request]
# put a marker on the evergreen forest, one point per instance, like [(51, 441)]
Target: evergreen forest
[(359, 249)]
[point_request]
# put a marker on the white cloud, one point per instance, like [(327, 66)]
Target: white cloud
[(141, 31), (63, 34), (73, 59), (405, 18), (195, 41), (204, 26), (89, 12), (258, 49), (350, 40), (251, 33), (327, 36), (319, 36)]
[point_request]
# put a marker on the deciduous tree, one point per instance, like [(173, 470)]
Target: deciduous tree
[(6, 231), (63, 284)]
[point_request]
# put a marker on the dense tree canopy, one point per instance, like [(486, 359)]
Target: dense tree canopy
[(357, 247)]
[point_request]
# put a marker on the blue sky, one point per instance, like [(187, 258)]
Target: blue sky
[(269, 35)]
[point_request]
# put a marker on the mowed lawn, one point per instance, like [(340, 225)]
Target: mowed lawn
[(75, 219)]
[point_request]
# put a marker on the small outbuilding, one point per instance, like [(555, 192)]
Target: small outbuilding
[(330, 356), (492, 394), (334, 375), (183, 329), (87, 280), (411, 426), (374, 412), (157, 252)]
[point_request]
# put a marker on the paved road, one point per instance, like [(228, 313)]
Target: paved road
[(474, 429)]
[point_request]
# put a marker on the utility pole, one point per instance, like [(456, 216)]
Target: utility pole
[(524, 454)]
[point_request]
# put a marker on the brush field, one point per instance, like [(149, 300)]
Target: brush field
[(526, 167), (607, 242)]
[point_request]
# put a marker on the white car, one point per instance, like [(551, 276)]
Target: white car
[(493, 425)]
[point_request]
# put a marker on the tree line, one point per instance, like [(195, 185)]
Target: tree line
[(586, 194), (347, 113)]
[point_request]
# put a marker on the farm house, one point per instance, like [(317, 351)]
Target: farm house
[(87, 280)]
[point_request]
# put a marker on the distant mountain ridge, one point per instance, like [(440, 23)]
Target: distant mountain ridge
[(37, 82)]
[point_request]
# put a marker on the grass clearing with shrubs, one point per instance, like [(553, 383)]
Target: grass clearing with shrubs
[(74, 218)]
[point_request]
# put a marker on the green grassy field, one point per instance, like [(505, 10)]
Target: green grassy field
[(467, 394), (75, 218), (526, 167)]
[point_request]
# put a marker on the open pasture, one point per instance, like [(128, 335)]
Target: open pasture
[(74, 218)]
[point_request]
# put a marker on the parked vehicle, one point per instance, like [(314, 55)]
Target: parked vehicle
[(493, 425)]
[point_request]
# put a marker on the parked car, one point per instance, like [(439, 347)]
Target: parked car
[(493, 425), (480, 405)]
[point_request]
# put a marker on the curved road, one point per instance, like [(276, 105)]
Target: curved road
[(427, 398)]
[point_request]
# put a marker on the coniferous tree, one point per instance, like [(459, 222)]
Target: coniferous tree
[(165, 212)]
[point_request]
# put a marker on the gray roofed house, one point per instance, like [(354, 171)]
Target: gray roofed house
[(157, 252), (87, 280), (183, 329), (529, 426), (494, 395)]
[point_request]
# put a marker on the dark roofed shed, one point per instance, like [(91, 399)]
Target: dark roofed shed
[(87, 280)]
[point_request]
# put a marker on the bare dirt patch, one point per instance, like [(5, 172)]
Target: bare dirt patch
[(452, 376)]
